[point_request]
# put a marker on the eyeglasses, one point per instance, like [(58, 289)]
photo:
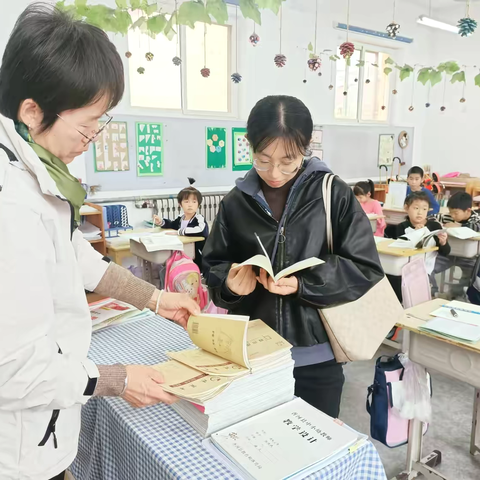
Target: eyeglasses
[(265, 166), (95, 133)]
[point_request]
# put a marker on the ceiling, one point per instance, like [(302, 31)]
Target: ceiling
[(436, 4)]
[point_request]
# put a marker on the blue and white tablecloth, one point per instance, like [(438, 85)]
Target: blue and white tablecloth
[(119, 442)]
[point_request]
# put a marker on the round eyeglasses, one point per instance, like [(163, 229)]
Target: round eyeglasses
[(265, 166), (95, 133)]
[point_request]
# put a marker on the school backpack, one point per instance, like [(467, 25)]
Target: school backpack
[(182, 275), (386, 425)]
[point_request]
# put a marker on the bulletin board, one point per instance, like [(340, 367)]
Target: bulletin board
[(386, 148), (111, 149), (149, 149), (242, 155), (216, 142)]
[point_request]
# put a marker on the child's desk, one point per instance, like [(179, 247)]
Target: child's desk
[(394, 216), (449, 357), (394, 259), (373, 221), (469, 248)]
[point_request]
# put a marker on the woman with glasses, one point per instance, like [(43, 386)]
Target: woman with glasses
[(280, 199), (58, 78)]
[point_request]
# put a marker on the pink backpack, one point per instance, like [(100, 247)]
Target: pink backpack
[(182, 275)]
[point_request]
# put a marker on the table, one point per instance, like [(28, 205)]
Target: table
[(449, 357), (394, 259), (373, 221), (118, 442)]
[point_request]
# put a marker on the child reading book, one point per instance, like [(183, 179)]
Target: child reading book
[(190, 223), (364, 192), (415, 181), (461, 213)]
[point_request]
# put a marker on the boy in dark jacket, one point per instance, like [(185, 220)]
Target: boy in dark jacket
[(190, 223)]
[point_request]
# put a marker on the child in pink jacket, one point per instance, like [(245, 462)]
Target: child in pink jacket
[(364, 193)]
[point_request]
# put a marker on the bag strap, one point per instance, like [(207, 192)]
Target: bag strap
[(327, 202)]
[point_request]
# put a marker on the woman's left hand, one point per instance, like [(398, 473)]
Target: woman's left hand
[(175, 306), (442, 238), (285, 286)]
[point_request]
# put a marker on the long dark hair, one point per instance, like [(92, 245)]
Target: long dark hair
[(280, 116), (364, 188)]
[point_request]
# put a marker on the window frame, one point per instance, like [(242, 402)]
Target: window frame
[(364, 48)]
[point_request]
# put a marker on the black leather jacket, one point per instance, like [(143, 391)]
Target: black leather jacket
[(348, 274)]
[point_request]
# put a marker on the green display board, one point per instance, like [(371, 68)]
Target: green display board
[(242, 155), (216, 147), (149, 149)]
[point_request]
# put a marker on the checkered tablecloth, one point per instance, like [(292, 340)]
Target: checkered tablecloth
[(119, 442)]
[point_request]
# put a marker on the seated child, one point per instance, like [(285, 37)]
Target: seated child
[(415, 180), (417, 205), (191, 223), (461, 213), (364, 192)]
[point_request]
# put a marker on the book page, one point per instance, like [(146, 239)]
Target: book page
[(207, 363), (463, 233), (259, 261), (109, 309), (185, 382), (222, 336), (303, 265), (263, 340)]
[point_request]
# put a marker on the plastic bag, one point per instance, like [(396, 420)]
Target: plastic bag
[(416, 401)]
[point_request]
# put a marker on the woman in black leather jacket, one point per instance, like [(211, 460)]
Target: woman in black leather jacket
[(281, 200)]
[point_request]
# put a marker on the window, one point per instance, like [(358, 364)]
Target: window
[(167, 87), (367, 88)]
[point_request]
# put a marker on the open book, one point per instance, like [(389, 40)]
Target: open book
[(159, 241), (229, 347), (463, 233), (263, 261), (416, 238)]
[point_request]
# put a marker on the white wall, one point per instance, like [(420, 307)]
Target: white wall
[(262, 78)]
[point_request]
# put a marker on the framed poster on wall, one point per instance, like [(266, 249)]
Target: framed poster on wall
[(149, 149), (111, 149), (386, 149), (216, 151), (242, 156)]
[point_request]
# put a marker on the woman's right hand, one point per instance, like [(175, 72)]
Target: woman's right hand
[(241, 281), (144, 387)]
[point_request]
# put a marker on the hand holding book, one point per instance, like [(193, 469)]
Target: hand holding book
[(285, 286)]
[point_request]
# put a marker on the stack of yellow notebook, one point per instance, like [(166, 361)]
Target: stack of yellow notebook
[(240, 369)]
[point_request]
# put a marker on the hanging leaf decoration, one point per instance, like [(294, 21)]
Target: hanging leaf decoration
[(424, 75), (389, 61), (138, 23), (360, 64), (135, 4), (435, 77), (249, 9), (405, 72), (120, 3), (191, 12), (458, 77), (334, 58), (218, 10), (387, 70), (477, 80), (310, 47), (156, 24), (448, 67), (273, 5), (169, 31), (150, 9)]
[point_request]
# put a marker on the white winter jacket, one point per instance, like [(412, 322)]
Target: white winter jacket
[(45, 326)]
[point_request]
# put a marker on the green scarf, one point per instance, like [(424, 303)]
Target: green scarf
[(66, 183)]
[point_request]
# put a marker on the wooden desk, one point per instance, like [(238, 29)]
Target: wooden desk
[(394, 259), (394, 216), (455, 359)]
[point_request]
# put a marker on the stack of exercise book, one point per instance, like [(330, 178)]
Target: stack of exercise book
[(241, 368)]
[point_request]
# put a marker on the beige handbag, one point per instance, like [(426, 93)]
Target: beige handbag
[(356, 329)]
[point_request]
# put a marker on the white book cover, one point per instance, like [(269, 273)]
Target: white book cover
[(463, 233), (284, 442)]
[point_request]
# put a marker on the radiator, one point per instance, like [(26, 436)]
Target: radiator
[(169, 207)]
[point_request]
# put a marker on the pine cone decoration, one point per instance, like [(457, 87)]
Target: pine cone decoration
[(205, 72), (347, 49), (393, 29), (314, 63), (128, 54), (141, 70), (177, 61), (466, 26), (254, 39), (280, 60), (149, 56), (236, 78)]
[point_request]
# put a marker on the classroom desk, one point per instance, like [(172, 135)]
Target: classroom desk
[(449, 357), (394, 259), (394, 216), (469, 248), (118, 442), (373, 221)]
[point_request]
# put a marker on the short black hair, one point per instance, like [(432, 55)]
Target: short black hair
[(186, 192), (417, 197), (416, 171), (461, 201), (60, 63), (280, 116), (364, 188)]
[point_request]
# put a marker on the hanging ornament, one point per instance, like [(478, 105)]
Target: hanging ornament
[(141, 70), (467, 25), (314, 63), (392, 29), (394, 92), (128, 54), (236, 77), (280, 60), (149, 56), (463, 100), (205, 71), (345, 93), (254, 39), (412, 108), (304, 80), (177, 61), (367, 81), (356, 80), (442, 109), (330, 87), (347, 49), (428, 105), (320, 74), (383, 107)]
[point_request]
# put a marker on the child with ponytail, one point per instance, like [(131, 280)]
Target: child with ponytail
[(364, 192)]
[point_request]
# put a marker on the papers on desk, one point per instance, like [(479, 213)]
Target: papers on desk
[(90, 232), (414, 239), (463, 325), (291, 441), (463, 233), (154, 242)]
